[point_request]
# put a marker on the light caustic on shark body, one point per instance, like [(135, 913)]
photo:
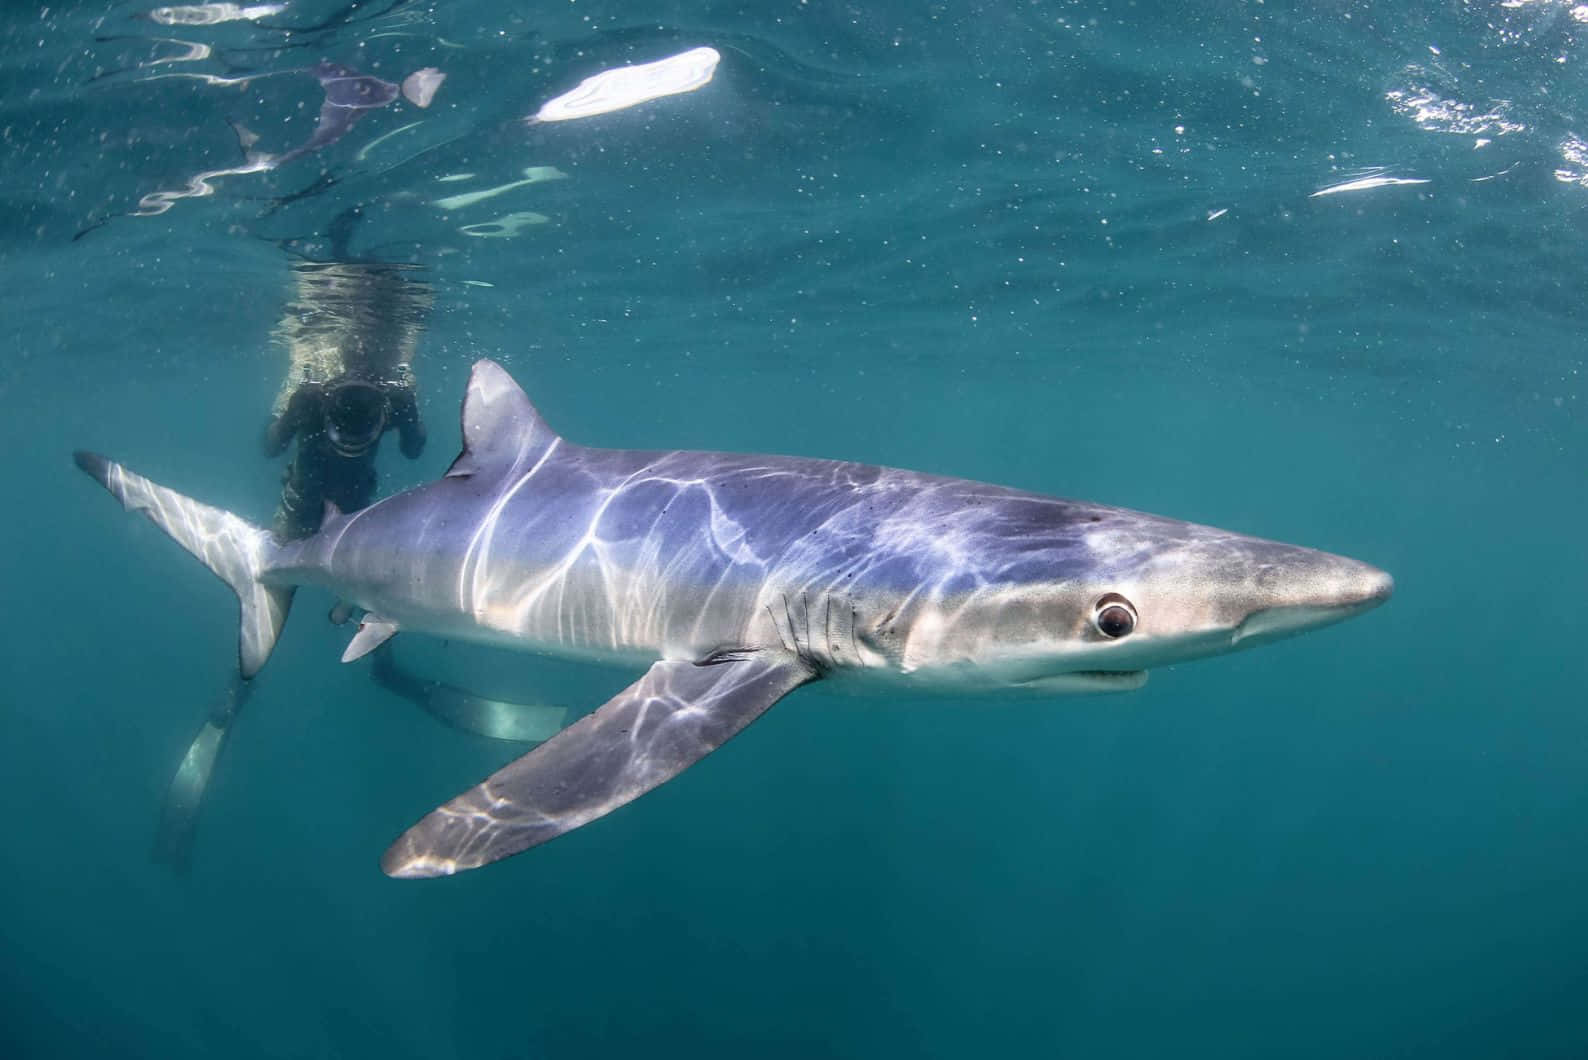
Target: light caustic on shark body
[(737, 579)]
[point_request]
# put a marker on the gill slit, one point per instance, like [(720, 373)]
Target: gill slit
[(810, 644), (773, 617), (788, 616)]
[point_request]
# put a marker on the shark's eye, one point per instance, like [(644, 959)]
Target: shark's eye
[(1113, 615)]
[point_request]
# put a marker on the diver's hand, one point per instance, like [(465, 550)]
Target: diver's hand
[(411, 437), (410, 430), (307, 400), (303, 409)]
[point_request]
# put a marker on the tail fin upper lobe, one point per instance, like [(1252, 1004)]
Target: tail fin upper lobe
[(232, 547)]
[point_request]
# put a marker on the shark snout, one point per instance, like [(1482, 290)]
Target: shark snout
[(1330, 593)]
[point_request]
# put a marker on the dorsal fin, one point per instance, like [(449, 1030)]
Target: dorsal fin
[(501, 429)]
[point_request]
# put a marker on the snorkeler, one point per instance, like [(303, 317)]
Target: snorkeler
[(344, 389), (351, 332), (338, 424)]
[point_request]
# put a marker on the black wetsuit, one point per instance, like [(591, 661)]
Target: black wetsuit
[(321, 470)]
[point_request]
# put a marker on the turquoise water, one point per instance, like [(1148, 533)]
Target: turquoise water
[(1075, 248)]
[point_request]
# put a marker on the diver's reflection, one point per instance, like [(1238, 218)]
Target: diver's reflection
[(347, 96)]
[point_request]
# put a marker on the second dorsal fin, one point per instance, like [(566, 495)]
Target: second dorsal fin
[(501, 429)]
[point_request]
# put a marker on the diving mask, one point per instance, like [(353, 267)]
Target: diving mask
[(355, 416)]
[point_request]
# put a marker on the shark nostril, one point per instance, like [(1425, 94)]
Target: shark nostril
[(1269, 622)]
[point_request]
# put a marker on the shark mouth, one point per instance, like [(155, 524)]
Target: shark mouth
[(1081, 681)]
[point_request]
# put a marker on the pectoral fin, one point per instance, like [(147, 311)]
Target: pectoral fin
[(372, 633), (665, 722)]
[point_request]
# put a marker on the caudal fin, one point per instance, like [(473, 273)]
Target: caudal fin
[(232, 547)]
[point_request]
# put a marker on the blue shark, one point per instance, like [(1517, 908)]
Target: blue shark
[(734, 580)]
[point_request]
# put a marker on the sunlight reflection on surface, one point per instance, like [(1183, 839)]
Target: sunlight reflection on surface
[(626, 86)]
